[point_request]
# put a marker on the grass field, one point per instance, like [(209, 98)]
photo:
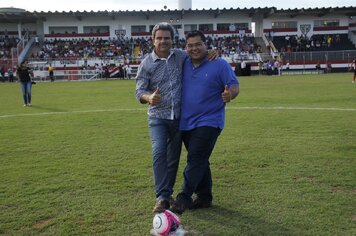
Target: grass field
[(79, 161)]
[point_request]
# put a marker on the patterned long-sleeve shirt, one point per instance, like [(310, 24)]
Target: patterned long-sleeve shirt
[(165, 74)]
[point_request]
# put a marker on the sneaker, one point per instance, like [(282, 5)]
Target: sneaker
[(29, 105), (353, 82), (161, 206), (177, 208), (199, 203), (25, 105)]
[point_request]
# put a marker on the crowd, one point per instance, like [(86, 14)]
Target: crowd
[(6, 43), (134, 47), (82, 48), (302, 43), (128, 50)]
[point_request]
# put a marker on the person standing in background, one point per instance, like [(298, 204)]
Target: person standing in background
[(51, 72), (2, 73), (10, 73), (353, 65)]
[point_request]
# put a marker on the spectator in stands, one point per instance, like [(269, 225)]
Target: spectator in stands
[(235, 57), (10, 74), (24, 75), (206, 88), (232, 27), (353, 64), (271, 34), (37, 41)]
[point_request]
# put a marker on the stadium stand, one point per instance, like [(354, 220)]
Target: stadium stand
[(80, 47), (318, 42)]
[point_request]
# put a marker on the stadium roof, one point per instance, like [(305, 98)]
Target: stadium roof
[(13, 15)]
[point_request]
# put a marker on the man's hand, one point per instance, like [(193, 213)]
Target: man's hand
[(230, 93), (155, 97), (213, 54), (226, 95)]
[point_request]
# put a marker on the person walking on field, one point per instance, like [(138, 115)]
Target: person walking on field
[(24, 75)]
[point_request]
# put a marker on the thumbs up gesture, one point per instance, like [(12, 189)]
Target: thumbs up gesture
[(155, 97), (226, 95)]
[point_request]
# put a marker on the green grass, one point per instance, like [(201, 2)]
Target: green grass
[(79, 161)]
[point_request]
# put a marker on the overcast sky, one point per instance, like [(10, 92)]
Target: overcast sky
[(116, 5)]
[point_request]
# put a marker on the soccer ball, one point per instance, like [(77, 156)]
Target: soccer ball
[(166, 223)]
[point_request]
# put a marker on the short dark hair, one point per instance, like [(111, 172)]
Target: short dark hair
[(163, 26), (23, 62), (195, 33)]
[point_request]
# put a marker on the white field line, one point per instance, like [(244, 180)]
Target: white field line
[(69, 112), (293, 108), (144, 109)]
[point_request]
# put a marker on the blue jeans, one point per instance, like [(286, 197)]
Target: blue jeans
[(199, 143), (166, 148), (26, 91)]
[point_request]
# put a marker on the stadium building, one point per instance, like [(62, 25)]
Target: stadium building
[(104, 43)]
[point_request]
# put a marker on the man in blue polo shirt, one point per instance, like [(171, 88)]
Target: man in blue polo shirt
[(206, 87)]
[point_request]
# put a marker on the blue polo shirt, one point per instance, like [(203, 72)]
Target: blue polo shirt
[(202, 104)]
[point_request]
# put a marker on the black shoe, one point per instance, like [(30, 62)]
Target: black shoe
[(171, 200), (161, 206), (177, 207), (199, 203)]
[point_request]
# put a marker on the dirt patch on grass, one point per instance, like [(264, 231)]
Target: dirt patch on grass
[(43, 223)]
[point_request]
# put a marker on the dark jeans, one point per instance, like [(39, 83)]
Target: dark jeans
[(199, 143)]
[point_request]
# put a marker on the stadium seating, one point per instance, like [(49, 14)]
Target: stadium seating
[(318, 42), (131, 48)]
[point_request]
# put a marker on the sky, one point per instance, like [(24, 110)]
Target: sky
[(123, 5)]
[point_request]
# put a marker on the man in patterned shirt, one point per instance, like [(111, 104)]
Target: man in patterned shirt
[(158, 83)]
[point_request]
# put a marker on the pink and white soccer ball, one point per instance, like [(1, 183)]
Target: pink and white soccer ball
[(166, 223)]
